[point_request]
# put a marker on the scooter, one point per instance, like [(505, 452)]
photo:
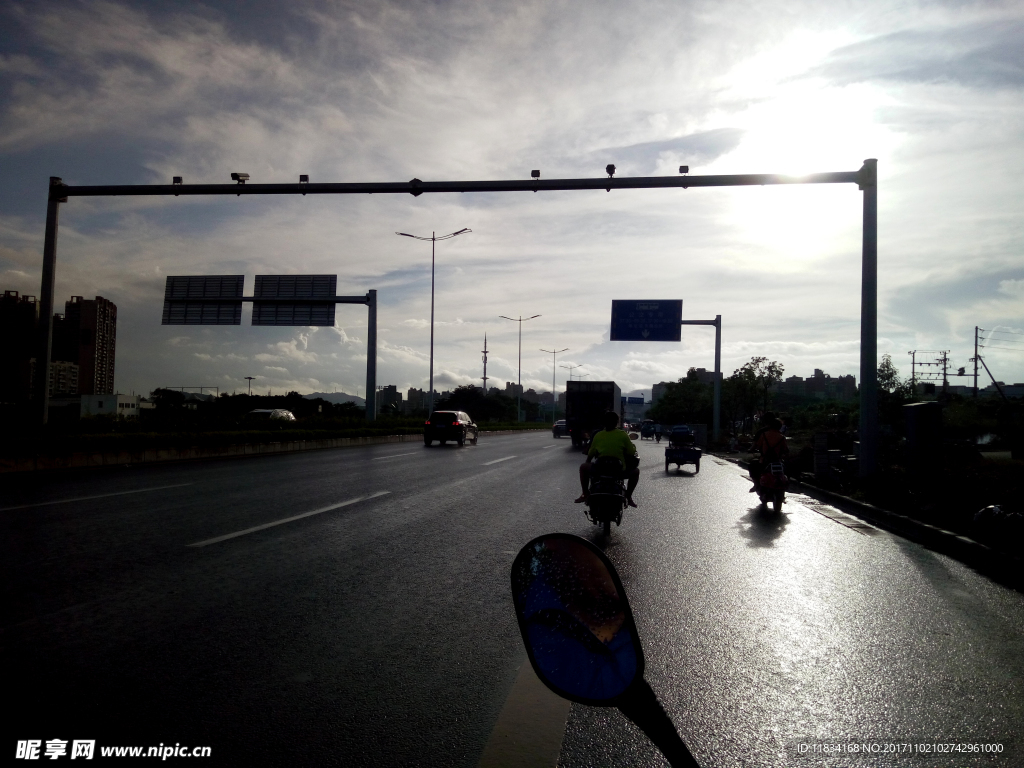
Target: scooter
[(607, 496), (771, 486), (581, 638)]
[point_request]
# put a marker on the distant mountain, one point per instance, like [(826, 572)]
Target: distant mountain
[(337, 398)]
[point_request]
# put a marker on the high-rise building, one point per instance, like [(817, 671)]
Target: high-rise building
[(63, 379), (86, 335), (19, 318), (389, 399)]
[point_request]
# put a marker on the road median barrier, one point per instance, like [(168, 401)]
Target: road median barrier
[(87, 459)]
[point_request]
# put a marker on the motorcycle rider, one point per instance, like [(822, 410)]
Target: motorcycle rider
[(773, 448), (613, 442)]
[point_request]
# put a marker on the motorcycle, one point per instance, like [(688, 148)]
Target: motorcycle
[(581, 638), (771, 486), (607, 495)]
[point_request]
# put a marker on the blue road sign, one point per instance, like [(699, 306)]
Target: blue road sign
[(646, 320)]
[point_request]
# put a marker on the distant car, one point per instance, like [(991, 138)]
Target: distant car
[(267, 414), (559, 429), (450, 425)]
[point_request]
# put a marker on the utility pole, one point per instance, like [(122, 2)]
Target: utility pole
[(913, 371), (945, 364), (975, 362)]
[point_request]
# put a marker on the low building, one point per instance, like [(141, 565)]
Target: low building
[(120, 406), (820, 386), (1010, 390)]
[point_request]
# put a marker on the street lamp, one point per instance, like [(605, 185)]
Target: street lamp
[(433, 239), (249, 379), (570, 368), (519, 393), (554, 396)]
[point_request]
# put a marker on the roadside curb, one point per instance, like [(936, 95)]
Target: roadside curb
[(1001, 566), (235, 450)]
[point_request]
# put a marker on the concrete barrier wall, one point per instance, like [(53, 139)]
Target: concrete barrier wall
[(237, 450)]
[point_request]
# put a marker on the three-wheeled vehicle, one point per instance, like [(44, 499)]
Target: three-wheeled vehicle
[(682, 448)]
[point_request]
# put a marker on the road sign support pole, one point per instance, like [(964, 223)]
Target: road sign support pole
[(44, 345), (868, 426), (716, 417), (371, 356)]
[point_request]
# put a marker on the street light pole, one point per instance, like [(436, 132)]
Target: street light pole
[(554, 395), (433, 239), (519, 393)]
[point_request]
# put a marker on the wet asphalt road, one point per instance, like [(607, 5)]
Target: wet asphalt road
[(382, 633)]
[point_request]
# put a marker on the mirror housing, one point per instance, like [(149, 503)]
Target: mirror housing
[(575, 620)]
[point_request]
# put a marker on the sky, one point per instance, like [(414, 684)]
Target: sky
[(137, 92)]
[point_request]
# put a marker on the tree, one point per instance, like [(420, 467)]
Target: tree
[(686, 401), (893, 393), (889, 381), (472, 400), (765, 373)]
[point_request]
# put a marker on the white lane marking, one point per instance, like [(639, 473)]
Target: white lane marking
[(97, 496), (384, 458), (548, 446), (488, 463), (263, 527), (530, 726)]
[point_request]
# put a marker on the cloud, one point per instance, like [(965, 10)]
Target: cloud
[(133, 93), (644, 158), (981, 54)]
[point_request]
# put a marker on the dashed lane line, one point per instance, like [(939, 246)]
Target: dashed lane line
[(395, 456), (226, 536), (97, 496), (488, 463)]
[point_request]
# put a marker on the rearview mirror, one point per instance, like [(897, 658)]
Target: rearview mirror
[(575, 620), (581, 638), (633, 436)]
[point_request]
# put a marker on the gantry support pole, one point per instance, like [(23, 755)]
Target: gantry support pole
[(44, 344), (866, 178), (868, 427)]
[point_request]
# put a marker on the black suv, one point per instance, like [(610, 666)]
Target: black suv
[(450, 425)]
